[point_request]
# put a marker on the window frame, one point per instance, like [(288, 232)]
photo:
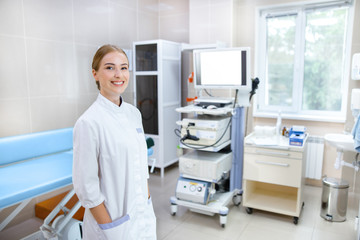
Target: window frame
[(300, 10)]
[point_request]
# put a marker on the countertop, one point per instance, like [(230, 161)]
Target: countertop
[(272, 141)]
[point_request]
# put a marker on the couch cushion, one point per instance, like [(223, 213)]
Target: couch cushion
[(22, 147), (34, 177)]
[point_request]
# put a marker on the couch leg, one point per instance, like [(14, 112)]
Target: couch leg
[(13, 214)]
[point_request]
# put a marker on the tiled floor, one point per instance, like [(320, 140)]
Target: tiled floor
[(240, 225)]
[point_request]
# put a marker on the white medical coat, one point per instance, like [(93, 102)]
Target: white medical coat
[(110, 166)]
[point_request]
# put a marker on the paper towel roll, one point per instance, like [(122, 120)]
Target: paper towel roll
[(355, 98)]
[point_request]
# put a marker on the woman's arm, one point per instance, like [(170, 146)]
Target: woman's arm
[(100, 214)]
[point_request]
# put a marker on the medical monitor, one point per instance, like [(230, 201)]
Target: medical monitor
[(222, 68)]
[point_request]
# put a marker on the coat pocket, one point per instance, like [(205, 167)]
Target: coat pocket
[(116, 229)]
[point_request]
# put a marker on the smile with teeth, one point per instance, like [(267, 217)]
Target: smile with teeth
[(118, 82)]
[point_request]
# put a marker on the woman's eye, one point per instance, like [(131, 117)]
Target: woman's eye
[(109, 67), (124, 68)]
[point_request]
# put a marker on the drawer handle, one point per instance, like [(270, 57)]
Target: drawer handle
[(272, 153), (273, 163)]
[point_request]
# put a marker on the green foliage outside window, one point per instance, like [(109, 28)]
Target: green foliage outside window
[(322, 59)]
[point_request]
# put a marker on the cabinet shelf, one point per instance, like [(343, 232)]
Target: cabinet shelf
[(216, 205), (215, 148), (281, 199)]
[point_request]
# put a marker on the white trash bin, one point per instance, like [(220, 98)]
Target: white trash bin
[(334, 199)]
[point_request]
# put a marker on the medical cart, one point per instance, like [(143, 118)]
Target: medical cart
[(203, 167)]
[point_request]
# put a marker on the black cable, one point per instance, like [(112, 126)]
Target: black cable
[(221, 137), (140, 104), (208, 93), (236, 93), (223, 134), (254, 85), (177, 131)]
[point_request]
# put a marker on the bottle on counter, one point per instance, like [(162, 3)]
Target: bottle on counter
[(278, 124)]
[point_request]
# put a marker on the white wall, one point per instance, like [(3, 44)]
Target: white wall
[(45, 62), (174, 20), (46, 52), (211, 21)]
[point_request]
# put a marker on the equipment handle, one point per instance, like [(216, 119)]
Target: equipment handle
[(272, 153), (273, 163)]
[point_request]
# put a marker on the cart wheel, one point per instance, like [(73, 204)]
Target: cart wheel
[(249, 210), (173, 209), (237, 199), (223, 225), (296, 219)]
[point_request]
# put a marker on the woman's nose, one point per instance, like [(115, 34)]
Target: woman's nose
[(117, 72)]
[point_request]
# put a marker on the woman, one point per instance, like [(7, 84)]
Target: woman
[(110, 158)]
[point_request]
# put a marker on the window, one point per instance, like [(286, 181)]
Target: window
[(303, 61)]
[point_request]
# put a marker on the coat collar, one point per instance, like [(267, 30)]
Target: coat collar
[(103, 101)]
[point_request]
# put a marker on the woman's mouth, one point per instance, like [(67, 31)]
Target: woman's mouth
[(118, 83)]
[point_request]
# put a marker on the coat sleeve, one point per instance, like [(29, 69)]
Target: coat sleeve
[(85, 164)]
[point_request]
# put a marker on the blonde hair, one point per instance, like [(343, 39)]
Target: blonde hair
[(101, 52)]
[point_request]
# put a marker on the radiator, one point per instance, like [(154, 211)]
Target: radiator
[(314, 157)]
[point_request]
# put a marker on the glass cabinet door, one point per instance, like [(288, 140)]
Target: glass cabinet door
[(146, 57), (147, 102)]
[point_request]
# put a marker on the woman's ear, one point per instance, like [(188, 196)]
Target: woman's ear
[(94, 74)]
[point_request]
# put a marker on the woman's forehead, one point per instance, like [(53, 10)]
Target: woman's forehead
[(114, 57)]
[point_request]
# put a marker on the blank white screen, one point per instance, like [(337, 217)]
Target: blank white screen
[(221, 68)]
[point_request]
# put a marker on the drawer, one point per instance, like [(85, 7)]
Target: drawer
[(270, 169), (274, 152)]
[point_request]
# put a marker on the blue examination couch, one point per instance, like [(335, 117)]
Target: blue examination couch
[(34, 164)]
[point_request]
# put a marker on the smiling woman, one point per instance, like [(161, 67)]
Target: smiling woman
[(111, 72), (110, 158)]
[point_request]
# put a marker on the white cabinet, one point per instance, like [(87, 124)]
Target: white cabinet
[(157, 74), (274, 177)]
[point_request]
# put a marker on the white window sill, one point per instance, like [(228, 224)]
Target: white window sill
[(304, 117)]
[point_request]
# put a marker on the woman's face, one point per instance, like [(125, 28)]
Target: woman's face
[(113, 75)]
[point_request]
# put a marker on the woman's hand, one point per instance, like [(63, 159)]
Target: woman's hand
[(101, 214)]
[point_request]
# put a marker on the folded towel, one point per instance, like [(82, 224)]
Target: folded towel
[(356, 134)]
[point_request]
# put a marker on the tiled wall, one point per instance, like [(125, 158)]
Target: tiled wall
[(47, 46), (174, 20), (211, 21), (46, 52)]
